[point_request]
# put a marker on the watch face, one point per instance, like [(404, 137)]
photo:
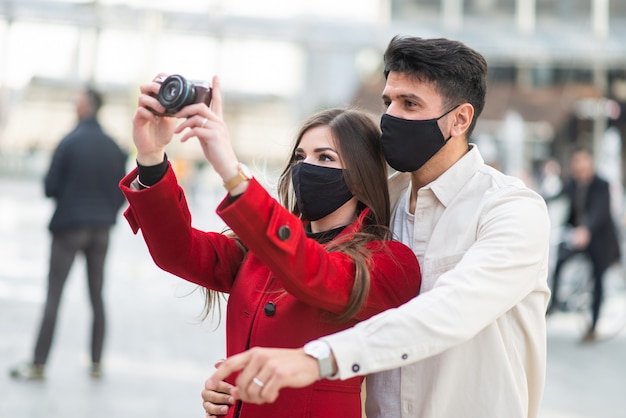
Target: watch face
[(320, 351)]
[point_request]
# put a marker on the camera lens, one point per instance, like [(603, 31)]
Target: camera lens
[(175, 93)]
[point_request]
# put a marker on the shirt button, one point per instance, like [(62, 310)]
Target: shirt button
[(284, 233), (405, 356), (270, 309), (356, 368)]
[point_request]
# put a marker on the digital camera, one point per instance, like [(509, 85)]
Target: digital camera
[(177, 92)]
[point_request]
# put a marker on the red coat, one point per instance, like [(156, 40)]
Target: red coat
[(282, 291)]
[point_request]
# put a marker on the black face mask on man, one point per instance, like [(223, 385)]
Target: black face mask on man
[(409, 144), (319, 190)]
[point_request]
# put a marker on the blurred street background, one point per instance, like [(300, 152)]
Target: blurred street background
[(557, 77)]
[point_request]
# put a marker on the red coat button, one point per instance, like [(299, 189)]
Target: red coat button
[(270, 309), (284, 232)]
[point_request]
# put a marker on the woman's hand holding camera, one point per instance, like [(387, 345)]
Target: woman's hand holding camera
[(152, 131), (207, 124)]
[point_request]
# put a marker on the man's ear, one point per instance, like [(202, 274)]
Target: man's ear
[(462, 119)]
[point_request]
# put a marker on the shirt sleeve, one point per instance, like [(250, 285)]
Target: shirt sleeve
[(149, 175), (506, 263)]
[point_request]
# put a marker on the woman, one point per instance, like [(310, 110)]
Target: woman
[(292, 275)]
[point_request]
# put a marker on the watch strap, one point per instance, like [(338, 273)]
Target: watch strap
[(321, 351), (239, 178)]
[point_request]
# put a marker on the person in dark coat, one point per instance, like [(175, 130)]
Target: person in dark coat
[(592, 232), (83, 180)]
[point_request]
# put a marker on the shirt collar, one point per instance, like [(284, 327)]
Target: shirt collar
[(448, 184)]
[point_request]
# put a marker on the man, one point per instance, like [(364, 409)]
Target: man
[(592, 230), (83, 179), (473, 343)]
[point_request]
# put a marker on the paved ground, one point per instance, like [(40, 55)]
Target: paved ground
[(157, 354)]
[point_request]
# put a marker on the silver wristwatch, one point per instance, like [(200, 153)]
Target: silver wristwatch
[(320, 351)]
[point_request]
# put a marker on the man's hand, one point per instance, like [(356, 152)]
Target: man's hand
[(264, 371)]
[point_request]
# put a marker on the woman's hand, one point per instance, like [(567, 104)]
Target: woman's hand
[(151, 133), (217, 401), (207, 124)]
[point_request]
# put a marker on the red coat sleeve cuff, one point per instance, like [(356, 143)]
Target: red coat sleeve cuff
[(145, 197)]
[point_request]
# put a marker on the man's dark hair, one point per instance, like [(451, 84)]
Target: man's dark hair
[(576, 148), (458, 73), (95, 99), (579, 148)]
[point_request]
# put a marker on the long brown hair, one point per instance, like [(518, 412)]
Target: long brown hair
[(357, 138), (212, 298)]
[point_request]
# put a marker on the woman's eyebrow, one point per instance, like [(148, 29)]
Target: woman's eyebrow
[(322, 149)]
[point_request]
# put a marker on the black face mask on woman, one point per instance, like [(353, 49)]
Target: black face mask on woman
[(409, 144), (319, 190)]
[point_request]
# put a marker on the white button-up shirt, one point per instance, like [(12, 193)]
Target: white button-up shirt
[(473, 343)]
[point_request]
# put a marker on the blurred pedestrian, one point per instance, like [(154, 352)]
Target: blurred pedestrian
[(590, 230), (83, 181)]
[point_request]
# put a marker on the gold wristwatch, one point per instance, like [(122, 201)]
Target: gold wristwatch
[(243, 175)]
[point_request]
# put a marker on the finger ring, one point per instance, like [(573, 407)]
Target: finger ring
[(258, 382), (203, 122)]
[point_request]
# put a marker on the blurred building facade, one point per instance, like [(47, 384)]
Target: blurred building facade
[(557, 69)]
